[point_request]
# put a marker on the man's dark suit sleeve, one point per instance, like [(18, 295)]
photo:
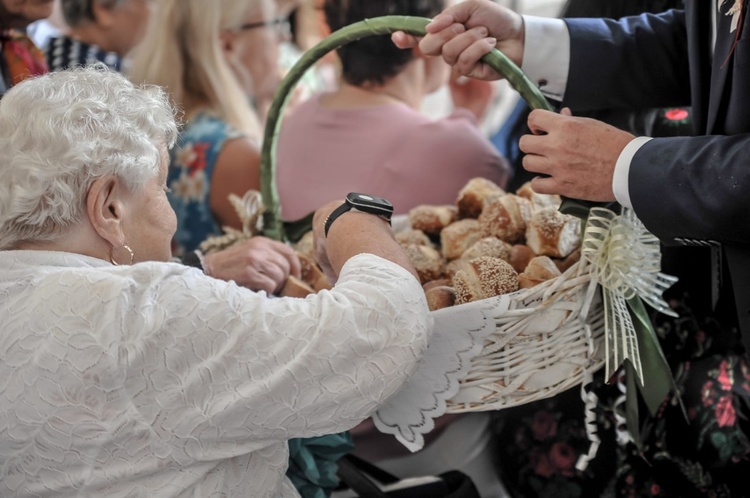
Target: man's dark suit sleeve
[(694, 187), (637, 62), (685, 187)]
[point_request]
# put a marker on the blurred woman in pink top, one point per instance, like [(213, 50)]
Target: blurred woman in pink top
[(369, 135)]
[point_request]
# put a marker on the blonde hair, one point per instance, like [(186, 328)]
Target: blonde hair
[(182, 52)]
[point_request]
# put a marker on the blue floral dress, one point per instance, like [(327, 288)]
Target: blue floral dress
[(192, 162)]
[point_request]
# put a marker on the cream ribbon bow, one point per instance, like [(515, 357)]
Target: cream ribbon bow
[(625, 260)]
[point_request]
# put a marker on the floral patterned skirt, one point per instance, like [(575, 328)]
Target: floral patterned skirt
[(706, 455)]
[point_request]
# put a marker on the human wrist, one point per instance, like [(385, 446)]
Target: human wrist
[(357, 233), (352, 222)]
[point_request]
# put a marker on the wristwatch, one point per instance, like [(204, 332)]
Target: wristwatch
[(364, 203)]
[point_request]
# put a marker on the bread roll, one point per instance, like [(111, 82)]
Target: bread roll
[(305, 245), (441, 296), (540, 269), (487, 277), (311, 274), (538, 201), (457, 264), (505, 218), (471, 197), (427, 261), (417, 237), (432, 219), (458, 236), (488, 246), (294, 287), (520, 255), (570, 260), (551, 233), (436, 283)]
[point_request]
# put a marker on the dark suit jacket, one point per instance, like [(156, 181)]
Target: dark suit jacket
[(689, 190)]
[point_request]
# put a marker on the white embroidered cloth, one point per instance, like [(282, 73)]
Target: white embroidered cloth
[(153, 380), (457, 338)]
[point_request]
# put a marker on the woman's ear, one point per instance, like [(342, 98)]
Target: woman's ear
[(105, 209), (226, 40)]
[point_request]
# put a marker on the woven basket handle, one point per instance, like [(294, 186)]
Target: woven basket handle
[(273, 226)]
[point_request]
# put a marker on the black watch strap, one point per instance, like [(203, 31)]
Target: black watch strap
[(365, 203), (192, 259), (335, 214)]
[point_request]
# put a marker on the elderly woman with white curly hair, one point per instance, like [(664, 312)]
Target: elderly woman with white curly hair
[(122, 374)]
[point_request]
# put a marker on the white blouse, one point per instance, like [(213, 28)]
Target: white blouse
[(153, 380)]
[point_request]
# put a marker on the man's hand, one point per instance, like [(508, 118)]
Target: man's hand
[(258, 263), (466, 32), (578, 155)]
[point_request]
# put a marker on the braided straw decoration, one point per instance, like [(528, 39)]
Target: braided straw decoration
[(250, 209)]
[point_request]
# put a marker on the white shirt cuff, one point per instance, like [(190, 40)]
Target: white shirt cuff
[(546, 54), (620, 185)]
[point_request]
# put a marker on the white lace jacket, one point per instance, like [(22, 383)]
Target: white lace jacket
[(154, 380)]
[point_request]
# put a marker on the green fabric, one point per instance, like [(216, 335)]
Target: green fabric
[(313, 463)]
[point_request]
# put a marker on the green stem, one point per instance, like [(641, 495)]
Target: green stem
[(273, 226)]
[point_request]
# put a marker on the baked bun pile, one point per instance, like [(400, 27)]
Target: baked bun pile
[(490, 243)]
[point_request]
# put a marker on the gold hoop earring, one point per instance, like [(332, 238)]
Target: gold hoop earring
[(112, 255)]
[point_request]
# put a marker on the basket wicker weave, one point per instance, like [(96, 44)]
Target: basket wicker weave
[(548, 338)]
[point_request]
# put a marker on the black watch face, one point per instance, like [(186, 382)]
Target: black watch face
[(370, 204)]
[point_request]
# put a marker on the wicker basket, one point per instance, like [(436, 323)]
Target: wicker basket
[(547, 338)]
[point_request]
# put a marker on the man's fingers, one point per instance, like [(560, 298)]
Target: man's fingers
[(545, 185), (454, 48), (440, 22), (469, 61), (536, 164), (433, 43), (541, 121), (534, 144), (402, 40)]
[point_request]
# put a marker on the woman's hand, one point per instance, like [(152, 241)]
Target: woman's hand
[(258, 263), (466, 32)]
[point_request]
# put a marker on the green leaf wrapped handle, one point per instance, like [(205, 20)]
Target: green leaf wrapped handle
[(273, 226)]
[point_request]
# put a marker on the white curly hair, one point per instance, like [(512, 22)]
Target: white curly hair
[(60, 132)]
